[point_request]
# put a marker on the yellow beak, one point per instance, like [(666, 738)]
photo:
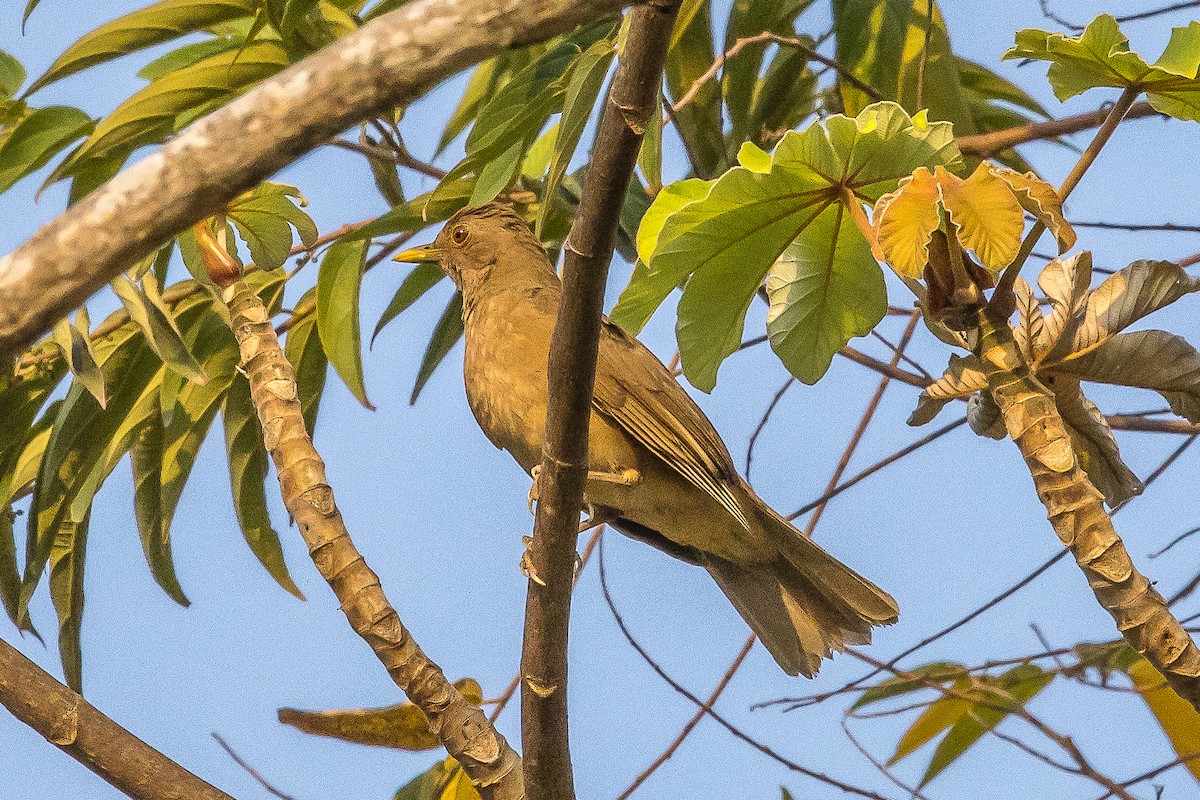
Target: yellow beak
[(417, 255)]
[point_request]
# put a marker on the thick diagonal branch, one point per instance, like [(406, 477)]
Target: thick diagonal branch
[(388, 62), (74, 726), (632, 98), (1076, 510), (492, 765)]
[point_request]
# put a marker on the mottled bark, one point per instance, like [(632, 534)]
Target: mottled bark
[(632, 98), (389, 62), (1076, 510), (74, 726), (492, 765)]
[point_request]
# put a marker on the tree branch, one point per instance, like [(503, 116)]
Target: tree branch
[(388, 62), (632, 98), (985, 145), (77, 728)]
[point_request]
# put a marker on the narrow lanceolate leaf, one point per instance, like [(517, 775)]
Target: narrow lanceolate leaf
[(938, 673), (10, 574), (265, 217), (188, 55), (939, 716), (338, 285), (1179, 721), (1100, 56), (304, 352), (728, 240), (689, 56), (401, 726), (993, 701), (446, 333), (422, 278), (73, 342), (39, 137), (159, 329), (154, 24), (67, 555), (587, 76), (12, 74), (822, 296), (247, 473), (171, 102), (146, 458)]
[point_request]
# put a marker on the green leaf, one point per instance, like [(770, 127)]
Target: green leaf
[(12, 74), (587, 76), (247, 473), (159, 328), (73, 342), (154, 24), (303, 349), (446, 333), (782, 98), (384, 171), (728, 240), (38, 138), (698, 123), (29, 7), (146, 459), (484, 82), (10, 575), (176, 99), (264, 218), (429, 785), (1179, 720), (940, 715), (1100, 56), (422, 278), (998, 698), (338, 286), (824, 290), (66, 592), (187, 56), (941, 672)]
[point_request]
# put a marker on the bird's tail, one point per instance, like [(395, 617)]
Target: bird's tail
[(803, 604)]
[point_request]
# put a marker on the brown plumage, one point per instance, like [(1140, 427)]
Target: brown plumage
[(657, 463)]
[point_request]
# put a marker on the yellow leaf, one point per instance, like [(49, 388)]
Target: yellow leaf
[(1040, 199), (940, 715), (904, 221), (459, 787), (1179, 720), (401, 726), (986, 211)]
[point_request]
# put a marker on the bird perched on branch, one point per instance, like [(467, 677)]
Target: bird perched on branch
[(658, 470)]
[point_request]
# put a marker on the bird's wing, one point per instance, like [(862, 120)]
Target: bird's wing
[(636, 391)]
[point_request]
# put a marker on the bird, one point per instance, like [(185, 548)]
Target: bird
[(658, 470)]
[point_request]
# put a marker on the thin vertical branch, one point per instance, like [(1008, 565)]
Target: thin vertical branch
[(632, 98)]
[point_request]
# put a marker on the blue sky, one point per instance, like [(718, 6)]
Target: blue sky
[(439, 514)]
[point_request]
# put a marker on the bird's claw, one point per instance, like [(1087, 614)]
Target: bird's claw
[(533, 490), (526, 565)]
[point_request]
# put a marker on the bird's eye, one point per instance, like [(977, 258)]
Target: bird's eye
[(460, 234)]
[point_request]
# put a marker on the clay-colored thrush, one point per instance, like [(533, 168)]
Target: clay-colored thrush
[(657, 468)]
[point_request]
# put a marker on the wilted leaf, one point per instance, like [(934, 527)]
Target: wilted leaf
[(247, 472), (1030, 329), (154, 24), (338, 285), (264, 218), (1094, 444), (1100, 56), (984, 417), (422, 278), (963, 377), (37, 138), (446, 333), (1041, 200), (1065, 282), (401, 726), (904, 221)]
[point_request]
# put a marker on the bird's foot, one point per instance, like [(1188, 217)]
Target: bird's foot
[(595, 516), (534, 492), (527, 566), (625, 477)]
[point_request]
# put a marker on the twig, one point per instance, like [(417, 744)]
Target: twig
[(985, 145), (912, 791), (1049, 14), (632, 98), (77, 728), (720, 720), (251, 771), (767, 36), (1133, 226), (868, 414), (878, 465), (1154, 773), (1174, 542), (762, 423), (666, 754), (903, 356)]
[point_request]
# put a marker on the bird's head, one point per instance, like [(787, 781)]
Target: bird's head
[(482, 244)]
